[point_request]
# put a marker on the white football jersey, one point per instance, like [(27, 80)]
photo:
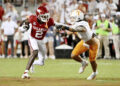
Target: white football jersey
[(83, 35)]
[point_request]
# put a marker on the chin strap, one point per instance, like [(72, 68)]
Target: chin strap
[(46, 25)]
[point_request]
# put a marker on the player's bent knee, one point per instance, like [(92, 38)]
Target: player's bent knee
[(73, 56), (35, 52), (91, 60)]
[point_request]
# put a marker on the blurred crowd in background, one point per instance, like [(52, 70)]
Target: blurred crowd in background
[(103, 17)]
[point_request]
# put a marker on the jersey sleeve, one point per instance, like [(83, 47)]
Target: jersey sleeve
[(80, 26), (31, 18), (51, 22)]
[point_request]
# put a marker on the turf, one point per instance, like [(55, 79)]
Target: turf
[(60, 72)]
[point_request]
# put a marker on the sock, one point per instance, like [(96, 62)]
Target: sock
[(95, 72), (26, 71)]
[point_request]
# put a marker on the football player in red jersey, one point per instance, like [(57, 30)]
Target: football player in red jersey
[(37, 25)]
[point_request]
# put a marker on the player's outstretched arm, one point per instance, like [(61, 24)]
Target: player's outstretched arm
[(66, 27), (79, 29)]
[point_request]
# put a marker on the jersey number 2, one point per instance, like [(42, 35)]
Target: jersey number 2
[(39, 34)]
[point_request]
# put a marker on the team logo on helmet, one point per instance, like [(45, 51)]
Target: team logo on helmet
[(76, 15)]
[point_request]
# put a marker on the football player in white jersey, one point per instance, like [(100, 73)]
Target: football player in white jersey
[(88, 41)]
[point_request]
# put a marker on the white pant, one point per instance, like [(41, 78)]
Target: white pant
[(40, 60), (38, 45)]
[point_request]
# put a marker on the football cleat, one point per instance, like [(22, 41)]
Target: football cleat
[(38, 62), (92, 76), (82, 68), (25, 76)]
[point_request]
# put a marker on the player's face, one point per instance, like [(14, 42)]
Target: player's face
[(73, 19), (44, 17)]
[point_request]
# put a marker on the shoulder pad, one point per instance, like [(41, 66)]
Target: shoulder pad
[(50, 22), (32, 18)]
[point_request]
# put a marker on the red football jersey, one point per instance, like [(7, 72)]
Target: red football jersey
[(39, 30)]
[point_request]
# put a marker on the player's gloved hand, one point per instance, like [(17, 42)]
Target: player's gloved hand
[(25, 26), (62, 26), (59, 27)]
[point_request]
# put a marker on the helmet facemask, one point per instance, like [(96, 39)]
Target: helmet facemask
[(44, 17), (42, 14), (73, 19)]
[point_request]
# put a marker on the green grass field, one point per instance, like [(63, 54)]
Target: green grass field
[(60, 72)]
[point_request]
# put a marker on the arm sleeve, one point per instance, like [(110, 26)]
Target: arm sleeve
[(79, 29), (51, 22)]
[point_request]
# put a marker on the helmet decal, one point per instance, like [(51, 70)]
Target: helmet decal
[(76, 15), (38, 10)]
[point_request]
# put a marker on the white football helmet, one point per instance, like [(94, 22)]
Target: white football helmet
[(76, 15)]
